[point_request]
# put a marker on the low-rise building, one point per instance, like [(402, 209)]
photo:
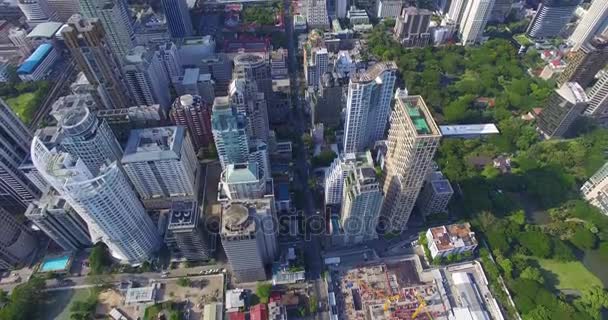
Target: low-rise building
[(451, 239), (435, 194)]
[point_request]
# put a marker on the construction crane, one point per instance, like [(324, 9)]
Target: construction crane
[(421, 306)]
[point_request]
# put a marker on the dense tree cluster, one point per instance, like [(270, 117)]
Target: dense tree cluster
[(259, 15), (24, 302), (99, 259), (451, 78)]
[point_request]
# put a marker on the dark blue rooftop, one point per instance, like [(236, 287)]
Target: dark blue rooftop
[(283, 191), (30, 64)]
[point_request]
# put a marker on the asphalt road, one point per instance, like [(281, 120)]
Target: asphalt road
[(312, 244)]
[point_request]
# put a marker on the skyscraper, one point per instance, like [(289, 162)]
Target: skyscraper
[(16, 190), (368, 106), (456, 10), (162, 165), (585, 63), (337, 172), (86, 40), (59, 221), (435, 194), (341, 8), (598, 99), (361, 204), (249, 238), (106, 201), (64, 8), (186, 237), (595, 190), (244, 95), (474, 19), (16, 243), (37, 11), (115, 17), (229, 133), (253, 67), (193, 113), (146, 77), (316, 60), (89, 139), (551, 17), (563, 107), (501, 10), (590, 25), (316, 14), (412, 27), (413, 139), (170, 58), (178, 18)]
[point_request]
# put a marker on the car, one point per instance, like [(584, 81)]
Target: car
[(163, 275)]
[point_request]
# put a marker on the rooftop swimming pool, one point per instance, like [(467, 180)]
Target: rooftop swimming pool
[(55, 264)]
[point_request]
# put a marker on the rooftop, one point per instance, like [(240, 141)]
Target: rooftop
[(183, 214), (235, 299), (141, 295), (469, 129), (418, 114), (242, 173), (453, 236), (573, 92), (45, 30), (236, 219), (162, 143), (33, 61), (373, 72)]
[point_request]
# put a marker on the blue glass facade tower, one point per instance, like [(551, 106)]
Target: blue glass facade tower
[(178, 18)]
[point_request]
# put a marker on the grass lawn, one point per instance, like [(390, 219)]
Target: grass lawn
[(568, 275), (21, 106), (523, 40), (58, 306)]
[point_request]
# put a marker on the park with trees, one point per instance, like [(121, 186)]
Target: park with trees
[(533, 226)]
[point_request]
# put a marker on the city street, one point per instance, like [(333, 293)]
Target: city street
[(298, 121)]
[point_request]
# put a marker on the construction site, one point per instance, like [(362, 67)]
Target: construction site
[(403, 290)]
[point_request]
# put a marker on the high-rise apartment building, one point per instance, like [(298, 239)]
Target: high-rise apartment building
[(412, 27), (501, 10), (551, 17), (18, 37), (16, 190), (590, 25), (368, 106), (50, 136), (17, 243), (456, 10), (243, 181), (86, 40), (185, 236), (244, 95), (254, 67), (178, 18), (413, 139), (89, 139), (193, 113), (435, 194), (361, 204), (327, 103), (171, 60), (162, 165), (337, 172), (388, 8), (145, 74), (316, 61), (598, 99), (249, 237), (563, 107), (316, 14), (585, 63), (64, 8), (595, 190), (475, 16), (115, 17), (59, 221), (37, 11), (229, 133), (341, 8), (105, 201), (64, 106)]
